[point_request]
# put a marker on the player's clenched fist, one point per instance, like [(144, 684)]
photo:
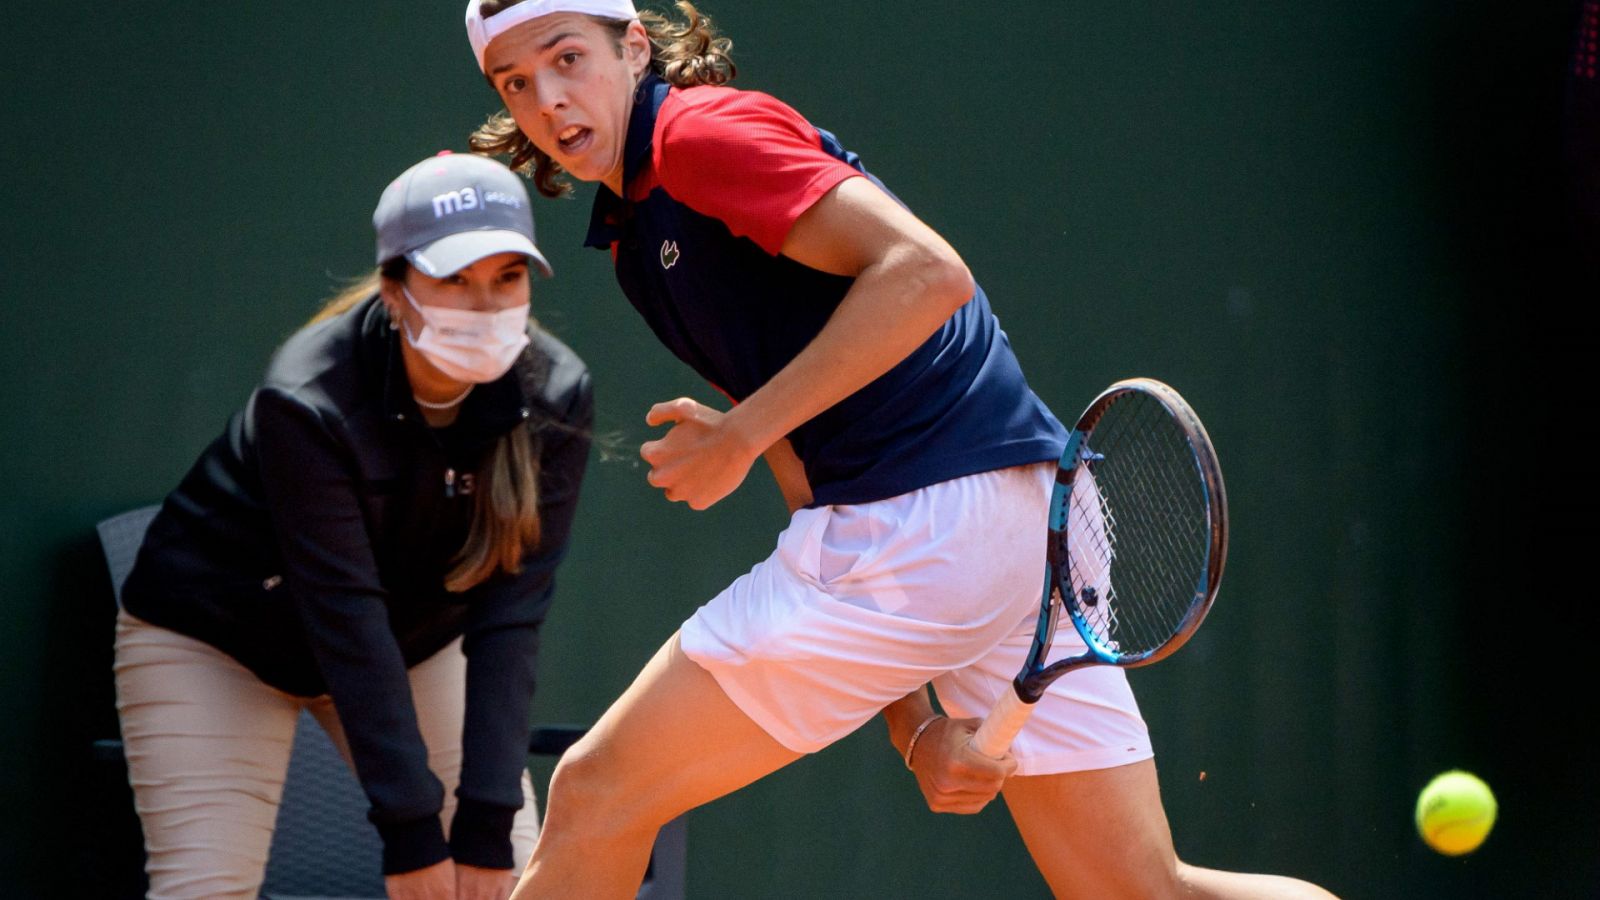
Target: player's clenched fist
[(702, 458), (955, 778)]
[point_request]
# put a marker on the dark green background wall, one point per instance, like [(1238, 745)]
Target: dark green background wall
[(1334, 226)]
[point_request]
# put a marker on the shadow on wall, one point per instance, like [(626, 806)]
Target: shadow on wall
[(96, 848)]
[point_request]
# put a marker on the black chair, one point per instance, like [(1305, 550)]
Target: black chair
[(322, 845)]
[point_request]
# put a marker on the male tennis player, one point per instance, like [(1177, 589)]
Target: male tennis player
[(868, 370)]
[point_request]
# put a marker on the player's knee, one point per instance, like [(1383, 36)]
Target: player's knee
[(1150, 879), (579, 782), (1155, 881), (1190, 880), (591, 792), (1167, 879)]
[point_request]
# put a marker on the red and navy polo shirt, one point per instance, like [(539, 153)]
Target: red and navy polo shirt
[(715, 179)]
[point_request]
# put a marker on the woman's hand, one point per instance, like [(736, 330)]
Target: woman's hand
[(436, 882), (954, 777), (702, 458), (448, 881), (475, 883)]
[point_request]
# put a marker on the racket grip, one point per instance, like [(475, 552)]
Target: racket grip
[(994, 736)]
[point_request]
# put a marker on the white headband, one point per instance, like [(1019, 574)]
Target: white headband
[(481, 31)]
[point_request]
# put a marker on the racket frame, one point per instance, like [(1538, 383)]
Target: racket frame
[(1011, 711)]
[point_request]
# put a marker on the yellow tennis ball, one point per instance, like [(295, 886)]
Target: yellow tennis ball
[(1455, 812)]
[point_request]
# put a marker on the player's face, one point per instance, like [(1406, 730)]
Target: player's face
[(570, 91)]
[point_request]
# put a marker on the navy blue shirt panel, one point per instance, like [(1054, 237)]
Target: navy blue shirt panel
[(737, 315)]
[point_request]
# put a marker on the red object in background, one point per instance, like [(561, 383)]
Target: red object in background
[(1586, 50)]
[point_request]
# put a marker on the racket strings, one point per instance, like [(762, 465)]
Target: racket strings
[(1138, 529)]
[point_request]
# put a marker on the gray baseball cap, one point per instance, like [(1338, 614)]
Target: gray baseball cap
[(451, 210)]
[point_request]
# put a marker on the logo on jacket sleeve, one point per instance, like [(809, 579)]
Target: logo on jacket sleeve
[(669, 254)]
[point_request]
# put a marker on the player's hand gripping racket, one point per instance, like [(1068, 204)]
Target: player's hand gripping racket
[(1138, 535)]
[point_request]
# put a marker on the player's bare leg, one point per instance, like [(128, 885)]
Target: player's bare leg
[(671, 742), (1128, 852)]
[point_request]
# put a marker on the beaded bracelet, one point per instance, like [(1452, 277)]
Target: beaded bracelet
[(911, 745)]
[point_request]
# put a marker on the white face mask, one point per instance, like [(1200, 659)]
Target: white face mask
[(467, 345)]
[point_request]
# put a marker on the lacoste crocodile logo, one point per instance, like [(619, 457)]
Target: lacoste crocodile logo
[(669, 254)]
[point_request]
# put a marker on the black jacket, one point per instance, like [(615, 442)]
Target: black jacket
[(310, 541)]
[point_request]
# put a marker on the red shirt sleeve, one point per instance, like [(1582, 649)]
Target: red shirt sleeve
[(744, 158)]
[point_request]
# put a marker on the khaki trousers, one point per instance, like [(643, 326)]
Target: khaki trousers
[(208, 743)]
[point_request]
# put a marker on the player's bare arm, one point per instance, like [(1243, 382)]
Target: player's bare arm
[(908, 281)]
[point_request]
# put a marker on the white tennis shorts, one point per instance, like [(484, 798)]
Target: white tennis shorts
[(860, 605)]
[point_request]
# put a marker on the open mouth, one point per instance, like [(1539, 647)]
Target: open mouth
[(574, 139)]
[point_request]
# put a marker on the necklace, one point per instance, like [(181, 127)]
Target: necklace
[(425, 404)]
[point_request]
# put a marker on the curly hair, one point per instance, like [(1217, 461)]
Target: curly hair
[(683, 53)]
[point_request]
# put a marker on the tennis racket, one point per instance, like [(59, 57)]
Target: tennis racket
[(1137, 539)]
